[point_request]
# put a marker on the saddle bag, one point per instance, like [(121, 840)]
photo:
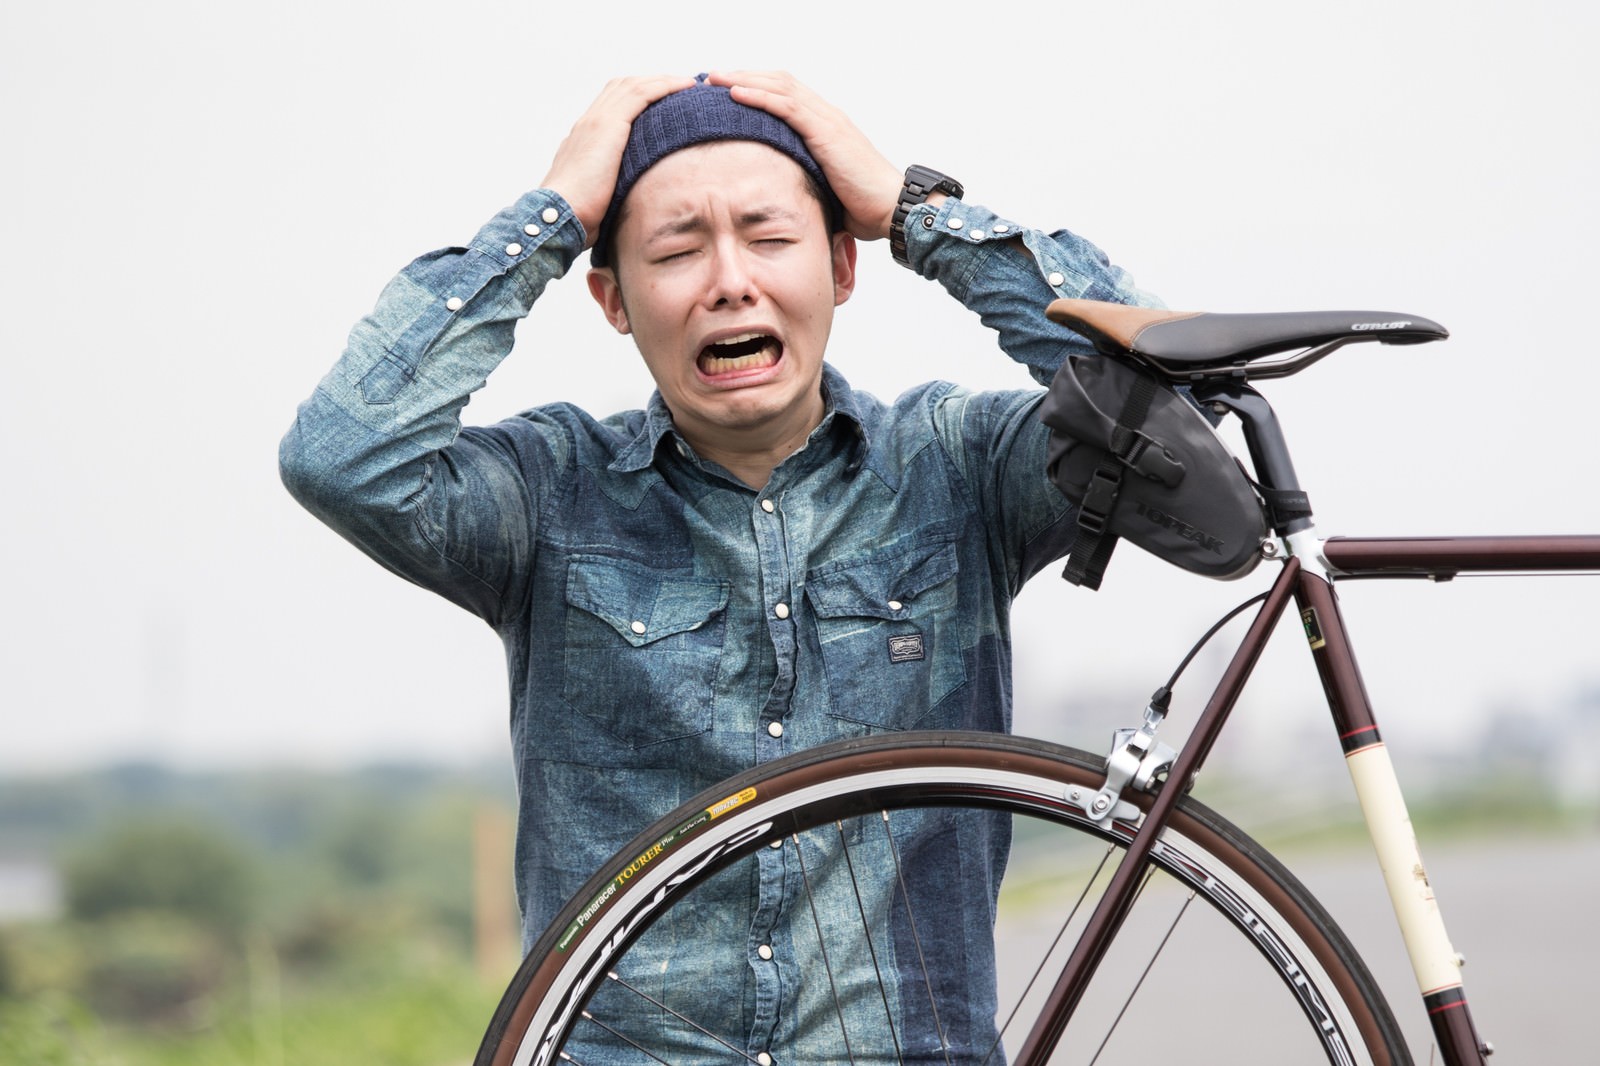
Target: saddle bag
[(1141, 462)]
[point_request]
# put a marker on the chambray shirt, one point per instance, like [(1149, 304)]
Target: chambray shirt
[(666, 626)]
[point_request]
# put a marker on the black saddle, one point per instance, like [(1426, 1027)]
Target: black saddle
[(1190, 345)]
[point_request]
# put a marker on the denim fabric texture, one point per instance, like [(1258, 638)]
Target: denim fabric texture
[(666, 626)]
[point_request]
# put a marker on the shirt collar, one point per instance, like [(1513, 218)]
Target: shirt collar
[(837, 397)]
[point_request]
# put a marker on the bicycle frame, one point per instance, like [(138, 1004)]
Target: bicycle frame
[(1307, 577), (1310, 567)]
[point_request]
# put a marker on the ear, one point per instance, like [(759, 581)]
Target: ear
[(608, 294), (844, 267)]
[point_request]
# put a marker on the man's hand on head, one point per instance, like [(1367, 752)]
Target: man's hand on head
[(585, 167), (866, 183)]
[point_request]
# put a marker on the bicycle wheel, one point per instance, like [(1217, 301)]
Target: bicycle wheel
[(1257, 972)]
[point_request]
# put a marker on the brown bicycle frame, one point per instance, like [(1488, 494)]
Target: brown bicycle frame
[(1356, 724)]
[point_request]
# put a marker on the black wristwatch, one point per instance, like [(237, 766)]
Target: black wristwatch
[(920, 182)]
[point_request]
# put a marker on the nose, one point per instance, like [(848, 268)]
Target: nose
[(732, 281)]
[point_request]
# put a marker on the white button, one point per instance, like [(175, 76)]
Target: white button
[(764, 951), (531, 230), (1001, 227), (895, 605), (776, 844), (766, 505), (782, 610), (1056, 277), (455, 303), (955, 223), (775, 729), (977, 234), (550, 214), (764, 1059), (637, 627), (513, 248)]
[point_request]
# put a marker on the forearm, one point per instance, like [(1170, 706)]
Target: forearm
[(1008, 274), (368, 452)]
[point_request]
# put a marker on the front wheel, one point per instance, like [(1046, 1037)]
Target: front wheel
[(1225, 957)]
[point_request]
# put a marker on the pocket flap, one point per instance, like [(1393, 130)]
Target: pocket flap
[(868, 588), (641, 604)]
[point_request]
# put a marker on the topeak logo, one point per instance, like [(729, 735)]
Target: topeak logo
[(1381, 325), (1181, 528)]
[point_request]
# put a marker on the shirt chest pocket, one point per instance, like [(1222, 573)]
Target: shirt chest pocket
[(888, 633), (642, 649)]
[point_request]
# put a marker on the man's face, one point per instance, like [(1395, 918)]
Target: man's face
[(726, 276)]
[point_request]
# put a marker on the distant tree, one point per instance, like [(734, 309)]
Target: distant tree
[(166, 865)]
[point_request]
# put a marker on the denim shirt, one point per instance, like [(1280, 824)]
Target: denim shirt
[(666, 626)]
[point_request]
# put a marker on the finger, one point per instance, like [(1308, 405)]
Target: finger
[(781, 94), (584, 170)]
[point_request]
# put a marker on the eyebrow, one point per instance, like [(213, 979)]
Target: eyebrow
[(697, 223)]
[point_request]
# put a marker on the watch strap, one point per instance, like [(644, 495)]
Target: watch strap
[(920, 183)]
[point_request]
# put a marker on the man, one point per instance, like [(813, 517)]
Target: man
[(760, 560)]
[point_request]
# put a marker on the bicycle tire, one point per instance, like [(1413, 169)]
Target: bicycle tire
[(1320, 979)]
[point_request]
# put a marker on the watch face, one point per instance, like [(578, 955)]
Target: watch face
[(929, 180)]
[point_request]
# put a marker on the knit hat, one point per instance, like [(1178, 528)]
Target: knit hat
[(695, 115)]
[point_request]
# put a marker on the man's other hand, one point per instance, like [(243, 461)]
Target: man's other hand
[(585, 167), (866, 183)]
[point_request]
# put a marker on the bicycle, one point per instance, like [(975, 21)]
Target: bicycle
[(1311, 997)]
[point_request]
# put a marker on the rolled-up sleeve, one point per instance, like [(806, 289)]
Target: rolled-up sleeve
[(378, 453)]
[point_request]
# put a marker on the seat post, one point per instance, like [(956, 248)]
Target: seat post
[(1263, 435)]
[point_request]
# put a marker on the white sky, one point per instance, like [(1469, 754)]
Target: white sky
[(203, 196)]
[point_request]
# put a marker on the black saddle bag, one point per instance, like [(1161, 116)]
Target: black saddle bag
[(1141, 462)]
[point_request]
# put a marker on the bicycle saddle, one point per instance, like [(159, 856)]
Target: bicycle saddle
[(1191, 341)]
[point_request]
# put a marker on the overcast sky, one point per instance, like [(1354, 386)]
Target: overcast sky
[(204, 196)]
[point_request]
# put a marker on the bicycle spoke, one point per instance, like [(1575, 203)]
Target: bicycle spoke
[(592, 1020), (916, 938), (613, 976), (1054, 943), (1145, 973), (866, 930), (822, 947)]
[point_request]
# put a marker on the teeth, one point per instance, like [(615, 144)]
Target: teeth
[(719, 365), (742, 338), (747, 351)]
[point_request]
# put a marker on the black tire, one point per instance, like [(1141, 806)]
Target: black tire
[(1291, 976)]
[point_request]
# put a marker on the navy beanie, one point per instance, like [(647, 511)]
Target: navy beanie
[(695, 115)]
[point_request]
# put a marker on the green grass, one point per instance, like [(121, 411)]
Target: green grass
[(375, 1018)]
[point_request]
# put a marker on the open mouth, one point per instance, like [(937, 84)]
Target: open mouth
[(740, 354)]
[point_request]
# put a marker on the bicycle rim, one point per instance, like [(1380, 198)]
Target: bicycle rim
[(1225, 958)]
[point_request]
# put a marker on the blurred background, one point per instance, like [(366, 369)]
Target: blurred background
[(255, 792)]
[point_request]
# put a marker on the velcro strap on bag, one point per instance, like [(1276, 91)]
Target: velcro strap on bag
[(1092, 548)]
